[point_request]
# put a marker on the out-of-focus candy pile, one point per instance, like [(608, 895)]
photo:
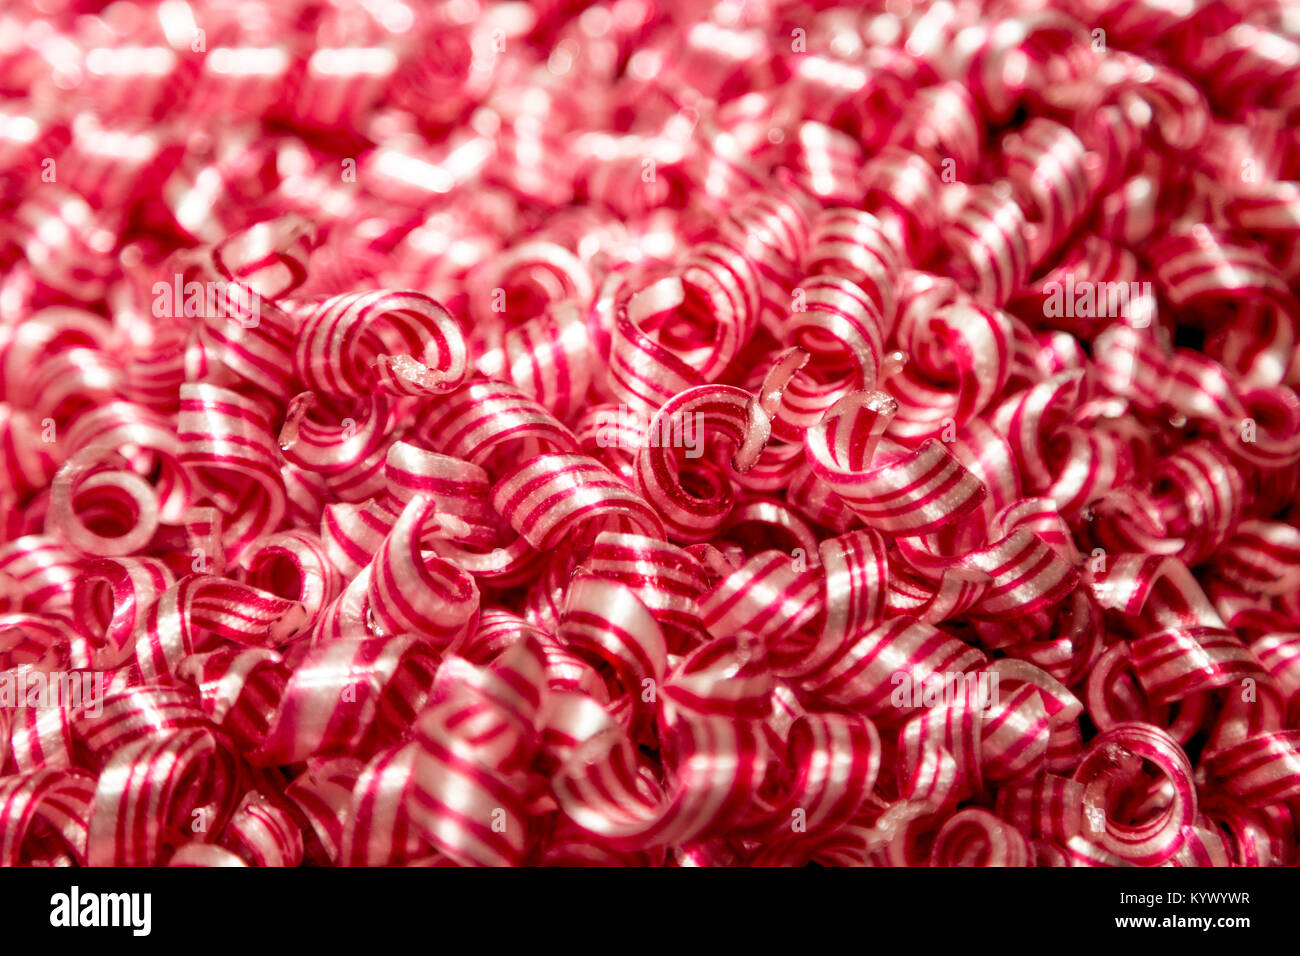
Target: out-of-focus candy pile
[(649, 433)]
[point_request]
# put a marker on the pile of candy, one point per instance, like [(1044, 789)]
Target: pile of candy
[(650, 433)]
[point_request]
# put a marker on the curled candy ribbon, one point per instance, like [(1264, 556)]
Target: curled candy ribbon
[(748, 435)]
